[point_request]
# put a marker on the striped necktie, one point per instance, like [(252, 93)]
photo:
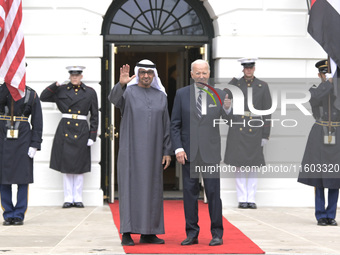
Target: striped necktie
[(199, 104)]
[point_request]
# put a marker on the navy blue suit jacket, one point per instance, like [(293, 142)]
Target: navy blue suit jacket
[(192, 133)]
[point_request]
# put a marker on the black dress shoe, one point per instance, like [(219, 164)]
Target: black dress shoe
[(190, 241), (67, 205), (332, 222), (78, 205), (8, 222), (18, 221), (243, 205), (252, 206), (322, 222), (127, 240), (216, 241), (150, 239)]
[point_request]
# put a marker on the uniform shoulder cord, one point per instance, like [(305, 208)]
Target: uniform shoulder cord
[(329, 106), (12, 113), (329, 119), (12, 118)]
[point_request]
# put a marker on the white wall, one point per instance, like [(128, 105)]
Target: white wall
[(59, 33), (276, 32), (67, 32)]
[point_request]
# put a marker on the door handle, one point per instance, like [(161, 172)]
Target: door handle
[(109, 132)]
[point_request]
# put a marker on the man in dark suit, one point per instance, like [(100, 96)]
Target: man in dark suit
[(197, 145)]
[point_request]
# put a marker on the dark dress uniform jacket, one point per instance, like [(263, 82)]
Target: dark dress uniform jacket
[(244, 141), (16, 167), (320, 165), (70, 153)]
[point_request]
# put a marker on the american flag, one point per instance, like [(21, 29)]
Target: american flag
[(12, 48)]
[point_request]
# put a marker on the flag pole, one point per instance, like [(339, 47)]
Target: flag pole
[(308, 6)]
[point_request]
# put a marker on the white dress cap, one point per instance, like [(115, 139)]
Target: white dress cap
[(75, 69), (248, 62)]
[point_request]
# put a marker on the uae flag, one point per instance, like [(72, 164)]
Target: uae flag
[(12, 48), (324, 27)]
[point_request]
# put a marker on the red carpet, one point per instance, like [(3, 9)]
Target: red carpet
[(234, 241)]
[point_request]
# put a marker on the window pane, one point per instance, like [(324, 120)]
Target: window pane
[(189, 19), (169, 5), (193, 30), (122, 18), (115, 29), (181, 8)]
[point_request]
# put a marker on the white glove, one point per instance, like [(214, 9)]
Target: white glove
[(31, 152), (90, 142), (264, 141), (328, 76), (61, 83)]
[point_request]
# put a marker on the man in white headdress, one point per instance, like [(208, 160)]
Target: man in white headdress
[(144, 150)]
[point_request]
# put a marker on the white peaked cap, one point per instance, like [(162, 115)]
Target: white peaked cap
[(75, 69), (247, 60)]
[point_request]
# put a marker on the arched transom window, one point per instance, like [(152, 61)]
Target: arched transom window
[(156, 17)]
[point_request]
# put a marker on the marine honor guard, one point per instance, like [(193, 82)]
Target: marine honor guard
[(76, 132), (245, 142)]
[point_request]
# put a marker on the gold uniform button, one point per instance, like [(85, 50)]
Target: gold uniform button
[(242, 117), (75, 136), (69, 110), (77, 124), (250, 117), (240, 129), (250, 130), (248, 85), (68, 123), (66, 135), (260, 85), (78, 111)]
